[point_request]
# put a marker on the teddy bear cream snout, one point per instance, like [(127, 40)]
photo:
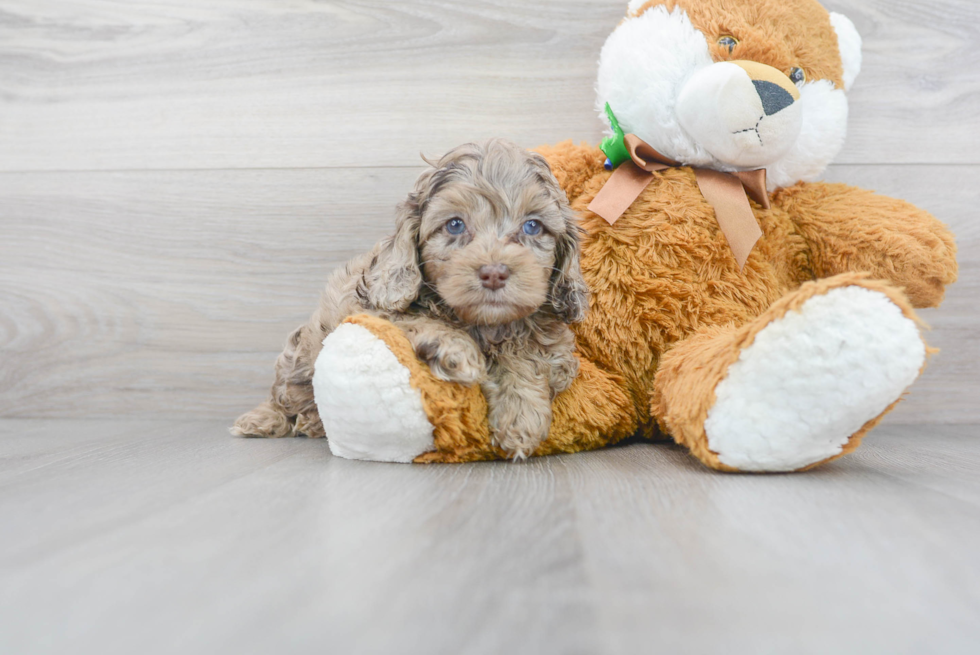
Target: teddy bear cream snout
[(746, 114)]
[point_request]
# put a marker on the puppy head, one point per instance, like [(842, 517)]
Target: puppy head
[(489, 229)]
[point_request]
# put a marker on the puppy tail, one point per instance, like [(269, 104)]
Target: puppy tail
[(267, 420)]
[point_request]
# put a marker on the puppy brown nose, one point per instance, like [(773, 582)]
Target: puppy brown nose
[(494, 276)]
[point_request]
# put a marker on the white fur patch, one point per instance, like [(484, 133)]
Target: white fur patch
[(368, 407), (811, 379), (849, 42)]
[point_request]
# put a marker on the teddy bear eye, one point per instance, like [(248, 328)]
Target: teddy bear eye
[(728, 42), (797, 75)]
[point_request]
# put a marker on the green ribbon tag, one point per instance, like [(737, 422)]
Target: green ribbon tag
[(614, 146)]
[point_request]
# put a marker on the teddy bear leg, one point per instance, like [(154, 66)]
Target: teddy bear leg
[(798, 386), (378, 402), (373, 395)]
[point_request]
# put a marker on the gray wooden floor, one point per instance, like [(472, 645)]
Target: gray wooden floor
[(140, 537)]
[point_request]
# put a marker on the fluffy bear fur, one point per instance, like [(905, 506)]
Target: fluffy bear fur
[(672, 313)]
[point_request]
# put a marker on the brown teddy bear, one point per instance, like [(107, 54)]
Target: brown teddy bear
[(759, 318)]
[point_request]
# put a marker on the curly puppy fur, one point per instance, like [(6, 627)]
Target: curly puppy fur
[(482, 274)]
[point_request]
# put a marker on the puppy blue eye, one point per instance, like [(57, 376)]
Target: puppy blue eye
[(455, 226), (532, 227)]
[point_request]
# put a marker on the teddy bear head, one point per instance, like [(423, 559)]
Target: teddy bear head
[(733, 84)]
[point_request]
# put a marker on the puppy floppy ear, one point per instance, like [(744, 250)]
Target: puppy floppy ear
[(394, 279), (569, 295)]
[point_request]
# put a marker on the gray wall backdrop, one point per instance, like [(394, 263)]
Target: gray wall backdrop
[(177, 177)]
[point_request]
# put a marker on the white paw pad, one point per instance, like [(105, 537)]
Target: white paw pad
[(813, 378), (368, 407)]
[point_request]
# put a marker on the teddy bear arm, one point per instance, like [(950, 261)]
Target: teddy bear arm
[(854, 230), (594, 412), (379, 402)]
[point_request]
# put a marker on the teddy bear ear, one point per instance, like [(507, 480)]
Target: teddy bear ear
[(849, 42)]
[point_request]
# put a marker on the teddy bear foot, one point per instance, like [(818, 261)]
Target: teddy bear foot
[(800, 385), (813, 379), (367, 404)]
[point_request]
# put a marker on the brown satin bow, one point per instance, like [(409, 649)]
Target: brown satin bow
[(727, 193)]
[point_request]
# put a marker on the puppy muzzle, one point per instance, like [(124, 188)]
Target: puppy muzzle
[(744, 113)]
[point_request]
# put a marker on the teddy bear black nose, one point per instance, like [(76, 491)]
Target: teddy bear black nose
[(774, 97)]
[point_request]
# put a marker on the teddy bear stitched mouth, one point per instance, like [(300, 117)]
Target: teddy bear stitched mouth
[(774, 99), (754, 129)]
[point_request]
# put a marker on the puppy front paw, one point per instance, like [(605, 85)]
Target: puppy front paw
[(454, 359), (519, 431), (563, 373)]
